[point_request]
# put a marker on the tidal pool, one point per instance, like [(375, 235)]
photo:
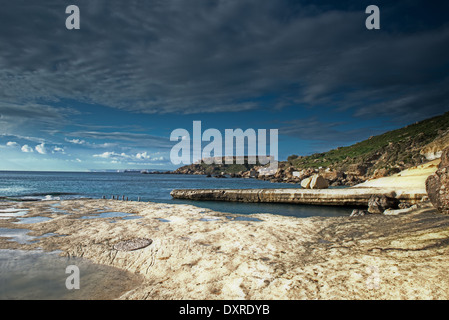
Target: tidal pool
[(12, 213), (18, 235), (243, 218), (111, 214), (21, 235), (39, 275), (32, 220)]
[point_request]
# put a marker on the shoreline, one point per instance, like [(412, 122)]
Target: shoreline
[(201, 254), (406, 186)]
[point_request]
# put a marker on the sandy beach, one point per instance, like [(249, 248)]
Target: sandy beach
[(197, 253)]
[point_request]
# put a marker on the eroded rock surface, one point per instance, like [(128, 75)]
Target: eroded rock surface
[(200, 254)]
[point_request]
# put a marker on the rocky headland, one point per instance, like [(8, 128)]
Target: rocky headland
[(379, 156), (399, 191)]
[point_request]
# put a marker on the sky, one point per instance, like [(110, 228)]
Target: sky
[(109, 95)]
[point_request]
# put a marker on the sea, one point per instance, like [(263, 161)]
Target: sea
[(44, 186)]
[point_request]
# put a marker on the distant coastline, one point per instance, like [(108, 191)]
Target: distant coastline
[(377, 157)]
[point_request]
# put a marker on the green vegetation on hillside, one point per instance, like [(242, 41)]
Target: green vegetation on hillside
[(397, 148), (392, 151)]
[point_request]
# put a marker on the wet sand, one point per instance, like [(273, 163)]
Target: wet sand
[(197, 253)]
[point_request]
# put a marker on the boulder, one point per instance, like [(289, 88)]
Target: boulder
[(357, 169), (253, 173), (314, 182), (303, 174), (305, 183), (404, 205), (358, 213), (378, 204), (395, 212), (333, 175), (437, 185), (380, 173), (318, 182), (444, 158)]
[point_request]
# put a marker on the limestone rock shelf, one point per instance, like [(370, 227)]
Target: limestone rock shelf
[(333, 197), (406, 186)]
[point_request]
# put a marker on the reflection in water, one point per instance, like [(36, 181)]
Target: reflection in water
[(42, 275), (123, 215), (243, 218), (284, 209), (32, 220)]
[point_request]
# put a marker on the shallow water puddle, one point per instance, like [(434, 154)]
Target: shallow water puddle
[(112, 214), (243, 218), (163, 220), (42, 275), (126, 218), (58, 211), (132, 217), (12, 213), (21, 235), (54, 208), (7, 210), (32, 220), (17, 235), (210, 219)]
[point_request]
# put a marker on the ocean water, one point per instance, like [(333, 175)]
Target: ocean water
[(149, 187)]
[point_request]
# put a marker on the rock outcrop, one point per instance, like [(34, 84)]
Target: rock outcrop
[(358, 213), (318, 182), (378, 204), (314, 182), (377, 157), (305, 183), (435, 149), (437, 185)]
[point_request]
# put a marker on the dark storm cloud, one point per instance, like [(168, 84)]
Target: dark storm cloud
[(318, 130), (183, 56), (30, 116)]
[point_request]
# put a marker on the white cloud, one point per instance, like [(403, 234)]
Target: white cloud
[(12, 144), (27, 148), (85, 143), (111, 155), (75, 141), (140, 156), (143, 155), (41, 148), (58, 150)]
